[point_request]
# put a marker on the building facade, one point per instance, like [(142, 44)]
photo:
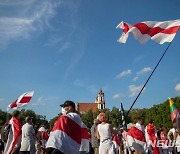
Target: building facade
[(99, 103)]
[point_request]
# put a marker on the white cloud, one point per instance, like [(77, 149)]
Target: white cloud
[(177, 88), (65, 46), (123, 74), (144, 71), (15, 2), (134, 90), (39, 101), (42, 100), (135, 78), (19, 25), (116, 96)]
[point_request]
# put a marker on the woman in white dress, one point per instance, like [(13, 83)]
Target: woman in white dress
[(104, 134)]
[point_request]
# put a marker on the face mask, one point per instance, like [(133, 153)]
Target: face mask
[(64, 112)]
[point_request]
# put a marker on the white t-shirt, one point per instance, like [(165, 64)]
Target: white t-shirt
[(178, 143), (28, 140), (104, 131)]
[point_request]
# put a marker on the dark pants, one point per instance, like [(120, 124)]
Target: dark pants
[(53, 151)]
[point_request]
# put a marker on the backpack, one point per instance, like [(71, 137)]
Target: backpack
[(5, 132)]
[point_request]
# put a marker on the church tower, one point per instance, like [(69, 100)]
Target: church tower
[(100, 100)]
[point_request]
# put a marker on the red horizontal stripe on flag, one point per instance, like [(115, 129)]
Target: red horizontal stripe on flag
[(144, 29), (84, 133), (16, 132), (12, 105), (173, 115), (137, 134), (25, 99), (68, 126), (126, 28), (171, 30)]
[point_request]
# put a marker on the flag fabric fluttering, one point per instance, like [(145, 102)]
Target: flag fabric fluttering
[(23, 100), (151, 138), (85, 137), (116, 141), (173, 109), (14, 137), (175, 114), (136, 138), (69, 134), (124, 126), (44, 135), (160, 32)]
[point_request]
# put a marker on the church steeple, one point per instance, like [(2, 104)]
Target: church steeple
[(100, 100)]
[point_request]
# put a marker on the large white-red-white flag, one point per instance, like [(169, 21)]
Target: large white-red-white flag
[(136, 138), (23, 100), (160, 32), (14, 137), (69, 134), (151, 138)]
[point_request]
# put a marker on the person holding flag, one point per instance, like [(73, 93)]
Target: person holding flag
[(68, 132), (14, 137), (151, 138), (44, 137), (160, 32), (136, 137)]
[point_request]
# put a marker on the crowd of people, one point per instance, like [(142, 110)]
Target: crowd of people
[(135, 138), (70, 135), (28, 139)]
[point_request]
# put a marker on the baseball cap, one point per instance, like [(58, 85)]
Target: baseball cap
[(68, 103)]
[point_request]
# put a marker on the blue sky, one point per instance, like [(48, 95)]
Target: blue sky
[(68, 49)]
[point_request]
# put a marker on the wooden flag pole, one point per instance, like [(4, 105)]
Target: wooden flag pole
[(148, 79)]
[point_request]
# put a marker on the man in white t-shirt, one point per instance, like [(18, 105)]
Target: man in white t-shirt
[(28, 138)]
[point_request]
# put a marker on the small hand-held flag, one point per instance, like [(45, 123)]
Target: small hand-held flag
[(23, 100), (160, 32)]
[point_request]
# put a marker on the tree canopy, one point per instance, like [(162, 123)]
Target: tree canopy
[(160, 114)]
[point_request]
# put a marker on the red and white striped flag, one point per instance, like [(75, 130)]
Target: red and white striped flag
[(151, 138), (14, 138), (116, 141), (85, 137), (23, 100), (68, 134), (136, 138), (45, 136), (160, 32)]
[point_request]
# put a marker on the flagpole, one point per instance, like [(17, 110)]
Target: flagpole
[(148, 78)]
